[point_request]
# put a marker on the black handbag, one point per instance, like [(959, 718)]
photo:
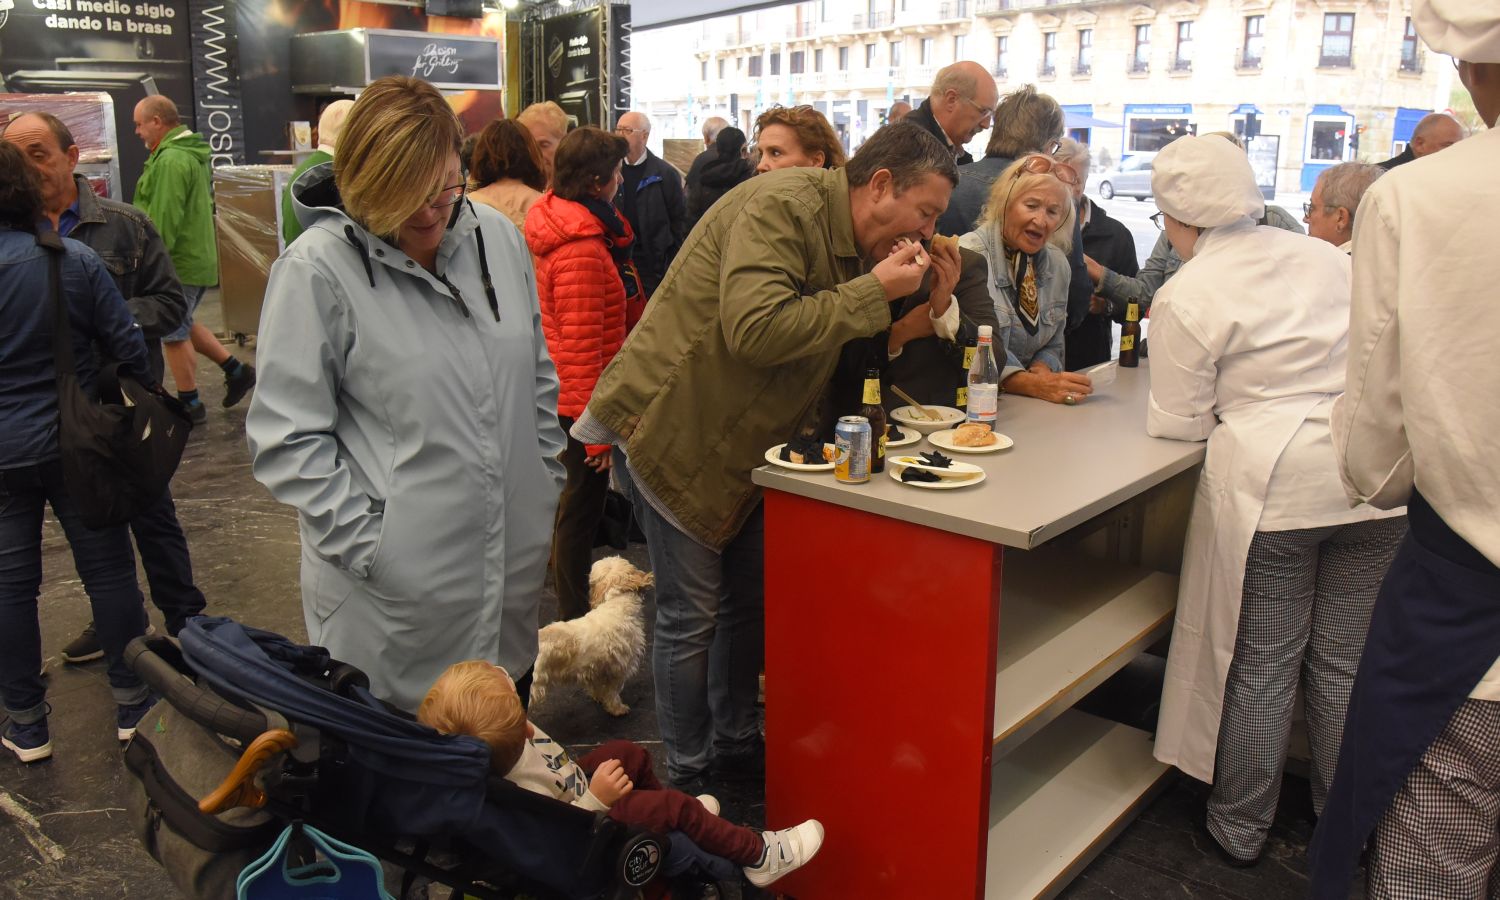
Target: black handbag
[(119, 452), (614, 525)]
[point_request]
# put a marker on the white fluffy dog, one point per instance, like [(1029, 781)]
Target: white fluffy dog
[(600, 651)]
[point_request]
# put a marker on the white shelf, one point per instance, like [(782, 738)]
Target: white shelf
[(1066, 625), (1059, 799)]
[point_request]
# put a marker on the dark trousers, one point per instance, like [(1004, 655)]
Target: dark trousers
[(579, 511), (169, 569), (104, 562), (661, 809)]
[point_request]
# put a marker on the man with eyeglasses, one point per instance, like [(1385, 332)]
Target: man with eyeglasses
[(652, 199), (961, 105), (1330, 213)]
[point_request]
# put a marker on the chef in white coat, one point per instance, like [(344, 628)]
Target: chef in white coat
[(1248, 352), (1420, 771)]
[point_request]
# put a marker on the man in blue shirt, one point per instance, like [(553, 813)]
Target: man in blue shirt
[(138, 262)]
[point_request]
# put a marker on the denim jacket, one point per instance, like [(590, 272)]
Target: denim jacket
[(136, 258), (1052, 279), (97, 313)]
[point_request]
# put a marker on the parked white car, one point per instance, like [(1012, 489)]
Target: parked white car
[(1131, 178)]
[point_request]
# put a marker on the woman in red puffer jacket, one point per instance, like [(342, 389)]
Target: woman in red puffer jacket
[(590, 297)]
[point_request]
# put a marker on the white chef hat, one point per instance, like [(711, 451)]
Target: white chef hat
[(1205, 181), (1465, 29)]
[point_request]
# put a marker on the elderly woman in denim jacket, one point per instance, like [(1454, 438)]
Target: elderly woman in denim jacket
[(1029, 213)]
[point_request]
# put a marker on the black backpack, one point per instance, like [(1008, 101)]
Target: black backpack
[(119, 451)]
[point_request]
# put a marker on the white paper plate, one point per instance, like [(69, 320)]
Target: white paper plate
[(773, 456), (947, 484), (909, 418), (912, 436), (944, 439)]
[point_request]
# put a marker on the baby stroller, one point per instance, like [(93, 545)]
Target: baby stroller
[(270, 733)]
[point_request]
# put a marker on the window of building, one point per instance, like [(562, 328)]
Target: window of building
[(1150, 134), (1049, 54), (1085, 50), (1338, 40), (1182, 60), (721, 70), (960, 42), (1140, 61), (776, 63), (924, 55), (755, 63), (818, 60), (869, 56), (895, 53), (1002, 55), (1327, 139), (1410, 62), (799, 62), (1255, 33), (822, 10), (843, 59)]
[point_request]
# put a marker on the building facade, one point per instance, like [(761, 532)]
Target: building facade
[(1316, 81)]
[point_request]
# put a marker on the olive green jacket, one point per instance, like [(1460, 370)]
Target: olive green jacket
[(738, 342)]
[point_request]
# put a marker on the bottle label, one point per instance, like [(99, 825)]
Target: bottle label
[(1132, 312), (872, 391), (880, 448), (984, 402), (1127, 342)]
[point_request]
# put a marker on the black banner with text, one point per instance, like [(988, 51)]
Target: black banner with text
[(216, 79), (127, 49)]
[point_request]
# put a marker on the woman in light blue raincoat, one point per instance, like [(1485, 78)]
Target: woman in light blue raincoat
[(407, 407)]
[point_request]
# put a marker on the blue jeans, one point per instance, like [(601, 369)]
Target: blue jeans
[(709, 645), (169, 569), (193, 294), (104, 562)]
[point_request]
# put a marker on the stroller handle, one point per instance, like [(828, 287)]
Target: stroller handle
[(148, 658)]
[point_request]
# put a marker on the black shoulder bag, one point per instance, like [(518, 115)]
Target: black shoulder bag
[(119, 452)]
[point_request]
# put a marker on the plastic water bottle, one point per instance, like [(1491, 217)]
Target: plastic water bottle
[(984, 380)]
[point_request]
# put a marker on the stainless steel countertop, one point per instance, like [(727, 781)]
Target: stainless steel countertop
[(1069, 464)]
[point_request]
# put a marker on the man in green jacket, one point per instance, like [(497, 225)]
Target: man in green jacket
[(733, 352), (329, 125), (175, 190)]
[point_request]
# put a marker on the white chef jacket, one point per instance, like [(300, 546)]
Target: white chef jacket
[(1423, 397)]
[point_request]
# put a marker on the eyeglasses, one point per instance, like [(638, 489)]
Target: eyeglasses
[(627, 132), (448, 196), (1055, 147), (986, 113), (1308, 207), (1157, 221), (1042, 165)]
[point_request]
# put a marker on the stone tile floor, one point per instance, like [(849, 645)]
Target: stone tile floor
[(64, 834)]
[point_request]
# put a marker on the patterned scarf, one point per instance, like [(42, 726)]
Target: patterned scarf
[(1023, 276)]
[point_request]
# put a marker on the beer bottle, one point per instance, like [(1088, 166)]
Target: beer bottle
[(961, 398), (873, 411), (1130, 336)]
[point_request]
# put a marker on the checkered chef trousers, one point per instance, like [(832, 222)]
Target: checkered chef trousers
[(1441, 835), (1303, 617)]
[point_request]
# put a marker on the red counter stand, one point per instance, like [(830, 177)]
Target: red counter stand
[(924, 652)]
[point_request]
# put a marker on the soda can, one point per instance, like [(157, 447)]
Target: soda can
[(851, 450)]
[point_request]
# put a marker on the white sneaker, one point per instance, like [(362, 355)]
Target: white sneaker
[(710, 803), (786, 851)]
